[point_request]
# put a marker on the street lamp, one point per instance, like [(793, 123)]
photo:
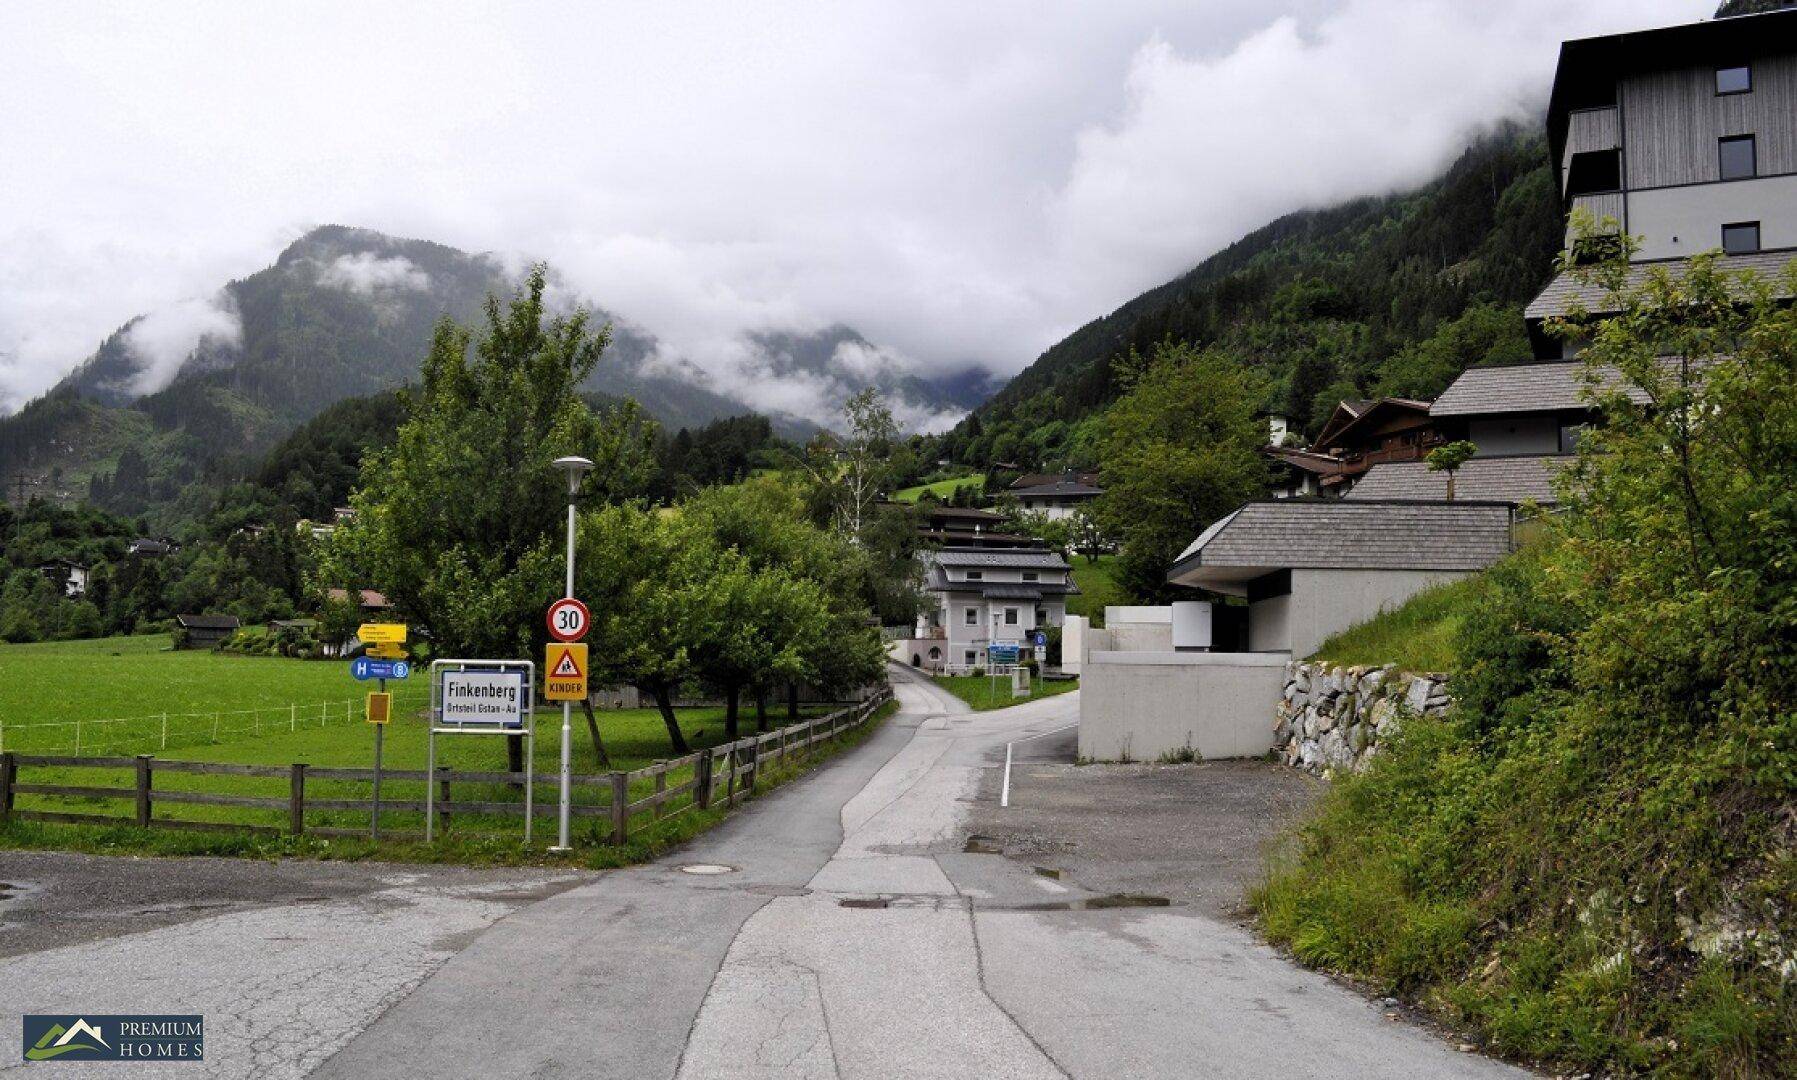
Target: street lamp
[(575, 467)]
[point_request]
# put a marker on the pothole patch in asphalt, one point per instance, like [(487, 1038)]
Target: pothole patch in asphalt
[(707, 869), (983, 845), (1090, 903), (873, 902)]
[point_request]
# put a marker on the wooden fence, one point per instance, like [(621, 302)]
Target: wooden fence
[(719, 775)]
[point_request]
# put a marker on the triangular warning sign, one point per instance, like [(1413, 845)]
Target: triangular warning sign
[(566, 668)]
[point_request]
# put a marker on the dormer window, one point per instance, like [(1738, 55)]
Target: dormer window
[(1734, 80), (1030, 575), (975, 575)]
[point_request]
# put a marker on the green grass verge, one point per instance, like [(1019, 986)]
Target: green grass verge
[(942, 489), (982, 692), (1418, 635), (457, 845), (1098, 588)]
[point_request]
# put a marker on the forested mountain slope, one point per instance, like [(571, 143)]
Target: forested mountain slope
[(175, 404), (1395, 294)]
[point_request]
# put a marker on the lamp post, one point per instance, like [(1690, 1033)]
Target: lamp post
[(575, 467)]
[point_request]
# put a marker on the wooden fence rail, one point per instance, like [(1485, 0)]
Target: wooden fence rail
[(722, 774)]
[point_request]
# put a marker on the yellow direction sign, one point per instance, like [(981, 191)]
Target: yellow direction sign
[(380, 707), (382, 633), (386, 652), (565, 672)]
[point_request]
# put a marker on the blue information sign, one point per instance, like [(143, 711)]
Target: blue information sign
[(1002, 652), (1041, 638), (364, 668)]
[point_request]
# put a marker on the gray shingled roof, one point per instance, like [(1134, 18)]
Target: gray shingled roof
[(1316, 534), (1059, 487), (1533, 387), (1493, 479), (1018, 558), (937, 581), (1561, 293)]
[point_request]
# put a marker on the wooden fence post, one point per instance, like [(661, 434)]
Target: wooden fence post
[(442, 795), (754, 750), (296, 802), (143, 791), (620, 808), (9, 774), (702, 780), (661, 788)]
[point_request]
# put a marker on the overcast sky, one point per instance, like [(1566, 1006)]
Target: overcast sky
[(962, 182)]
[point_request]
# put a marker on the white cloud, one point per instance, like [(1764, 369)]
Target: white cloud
[(369, 274), (962, 183), (165, 339)]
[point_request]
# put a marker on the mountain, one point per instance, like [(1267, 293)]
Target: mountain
[(178, 401), (1394, 294)]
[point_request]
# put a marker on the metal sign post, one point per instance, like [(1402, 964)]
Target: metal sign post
[(568, 619), (481, 697)]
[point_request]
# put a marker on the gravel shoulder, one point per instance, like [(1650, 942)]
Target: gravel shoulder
[(1195, 834)]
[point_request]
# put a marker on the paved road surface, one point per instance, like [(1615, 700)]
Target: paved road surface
[(854, 937)]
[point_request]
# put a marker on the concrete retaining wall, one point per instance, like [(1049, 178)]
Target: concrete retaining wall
[(1140, 706)]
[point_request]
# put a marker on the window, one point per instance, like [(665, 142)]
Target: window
[(975, 575), (1594, 171), (935, 654), (1030, 575), (973, 616), (969, 657), (1741, 238), (1041, 616), (1737, 157), (1734, 80), (1010, 616)]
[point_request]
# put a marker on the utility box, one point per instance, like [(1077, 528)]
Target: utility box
[(1192, 626)]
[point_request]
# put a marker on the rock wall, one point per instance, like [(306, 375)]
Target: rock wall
[(1334, 717)]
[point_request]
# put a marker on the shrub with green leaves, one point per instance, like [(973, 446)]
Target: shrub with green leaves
[(1593, 860)]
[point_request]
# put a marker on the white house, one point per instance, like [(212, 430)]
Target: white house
[(1055, 497), (982, 596)]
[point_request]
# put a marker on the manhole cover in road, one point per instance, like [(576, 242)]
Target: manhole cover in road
[(707, 868)]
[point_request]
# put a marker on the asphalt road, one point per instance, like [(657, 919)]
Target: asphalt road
[(854, 935)]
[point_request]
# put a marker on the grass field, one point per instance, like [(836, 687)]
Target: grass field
[(942, 489), (1097, 587), (982, 692), (1417, 636), (45, 688)]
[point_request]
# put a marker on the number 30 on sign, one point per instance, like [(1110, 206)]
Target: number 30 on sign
[(568, 619)]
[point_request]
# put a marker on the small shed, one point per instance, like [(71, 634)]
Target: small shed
[(204, 631)]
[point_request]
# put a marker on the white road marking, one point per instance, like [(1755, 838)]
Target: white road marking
[(1004, 794)]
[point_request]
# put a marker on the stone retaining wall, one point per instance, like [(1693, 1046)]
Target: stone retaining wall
[(1333, 717)]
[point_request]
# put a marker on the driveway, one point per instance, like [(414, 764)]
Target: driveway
[(850, 933)]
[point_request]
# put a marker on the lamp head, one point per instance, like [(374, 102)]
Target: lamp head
[(575, 467)]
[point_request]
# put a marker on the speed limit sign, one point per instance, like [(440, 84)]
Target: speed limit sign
[(568, 619)]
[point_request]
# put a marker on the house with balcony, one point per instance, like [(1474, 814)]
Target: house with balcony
[(980, 596), (1685, 137), (1359, 435)]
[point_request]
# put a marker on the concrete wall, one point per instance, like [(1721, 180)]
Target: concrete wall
[(1141, 706), (1270, 624), (1326, 602), (1683, 221)]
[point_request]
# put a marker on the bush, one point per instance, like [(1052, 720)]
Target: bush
[(1591, 861)]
